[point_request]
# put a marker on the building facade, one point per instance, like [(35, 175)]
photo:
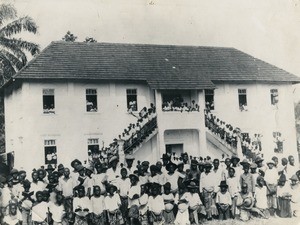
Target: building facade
[(75, 96)]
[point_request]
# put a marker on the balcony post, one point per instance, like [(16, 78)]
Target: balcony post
[(121, 150), (202, 131), (160, 124)]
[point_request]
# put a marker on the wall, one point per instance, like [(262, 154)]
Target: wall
[(71, 125), (27, 127), (261, 117)]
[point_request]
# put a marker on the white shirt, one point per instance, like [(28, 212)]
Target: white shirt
[(224, 198), (112, 202), (233, 185), (123, 186), (39, 212), (206, 182), (156, 204), (271, 176), (144, 203), (98, 205), (66, 186), (133, 191), (82, 203), (261, 197), (58, 211), (173, 179), (192, 198)]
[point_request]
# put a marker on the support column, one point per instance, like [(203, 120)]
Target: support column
[(202, 131), (121, 151), (160, 127)]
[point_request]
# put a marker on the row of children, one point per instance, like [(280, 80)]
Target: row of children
[(170, 191)]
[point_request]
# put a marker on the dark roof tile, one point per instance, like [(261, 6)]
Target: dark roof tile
[(162, 66)]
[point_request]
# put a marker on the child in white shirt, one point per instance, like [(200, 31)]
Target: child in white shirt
[(112, 203), (223, 201), (98, 207)]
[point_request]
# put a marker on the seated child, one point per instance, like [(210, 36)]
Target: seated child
[(245, 203), (223, 201), (182, 217), (196, 206)]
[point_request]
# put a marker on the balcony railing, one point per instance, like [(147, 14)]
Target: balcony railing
[(137, 138)]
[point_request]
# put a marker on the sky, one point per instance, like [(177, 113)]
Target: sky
[(266, 29)]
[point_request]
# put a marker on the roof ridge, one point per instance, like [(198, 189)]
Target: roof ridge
[(138, 44)]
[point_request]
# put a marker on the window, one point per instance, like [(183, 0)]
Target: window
[(278, 142), (243, 99), (50, 152), (209, 99), (131, 100), (91, 100), (48, 101), (274, 96), (93, 149), (93, 145)]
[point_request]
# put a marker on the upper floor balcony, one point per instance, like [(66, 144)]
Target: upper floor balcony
[(180, 109)]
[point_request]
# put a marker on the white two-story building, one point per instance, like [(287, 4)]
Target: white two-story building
[(76, 95)]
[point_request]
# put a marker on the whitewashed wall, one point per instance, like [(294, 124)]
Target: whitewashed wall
[(261, 117)]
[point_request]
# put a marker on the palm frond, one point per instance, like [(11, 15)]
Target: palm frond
[(22, 24), (7, 69), (21, 44), (16, 63), (10, 46), (7, 12)]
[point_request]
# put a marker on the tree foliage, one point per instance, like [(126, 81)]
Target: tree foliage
[(69, 37), (90, 40), (13, 50)]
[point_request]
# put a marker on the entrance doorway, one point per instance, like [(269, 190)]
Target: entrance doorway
[(177, 148)]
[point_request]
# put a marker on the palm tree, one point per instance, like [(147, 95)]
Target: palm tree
[(14, 51)]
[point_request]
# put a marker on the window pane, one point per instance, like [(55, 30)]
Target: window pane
[(274, 96), (48, 101), (91, 103), (132, 99), (50, 155), (278, 140), (209, 99), (49, 142), (91, 91), (242, 99), (242, 91), (93, 141), (48, 91)]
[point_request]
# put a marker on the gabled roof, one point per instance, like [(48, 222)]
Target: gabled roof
[(162, 66)]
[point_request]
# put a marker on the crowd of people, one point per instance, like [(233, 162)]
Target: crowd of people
[(177, 104), (251, 145), (178, 189), (224, 130), (133, 136)]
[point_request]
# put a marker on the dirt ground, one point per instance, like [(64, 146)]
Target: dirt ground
[(271, 221)]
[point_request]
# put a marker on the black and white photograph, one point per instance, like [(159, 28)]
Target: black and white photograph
[(149, 112)]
